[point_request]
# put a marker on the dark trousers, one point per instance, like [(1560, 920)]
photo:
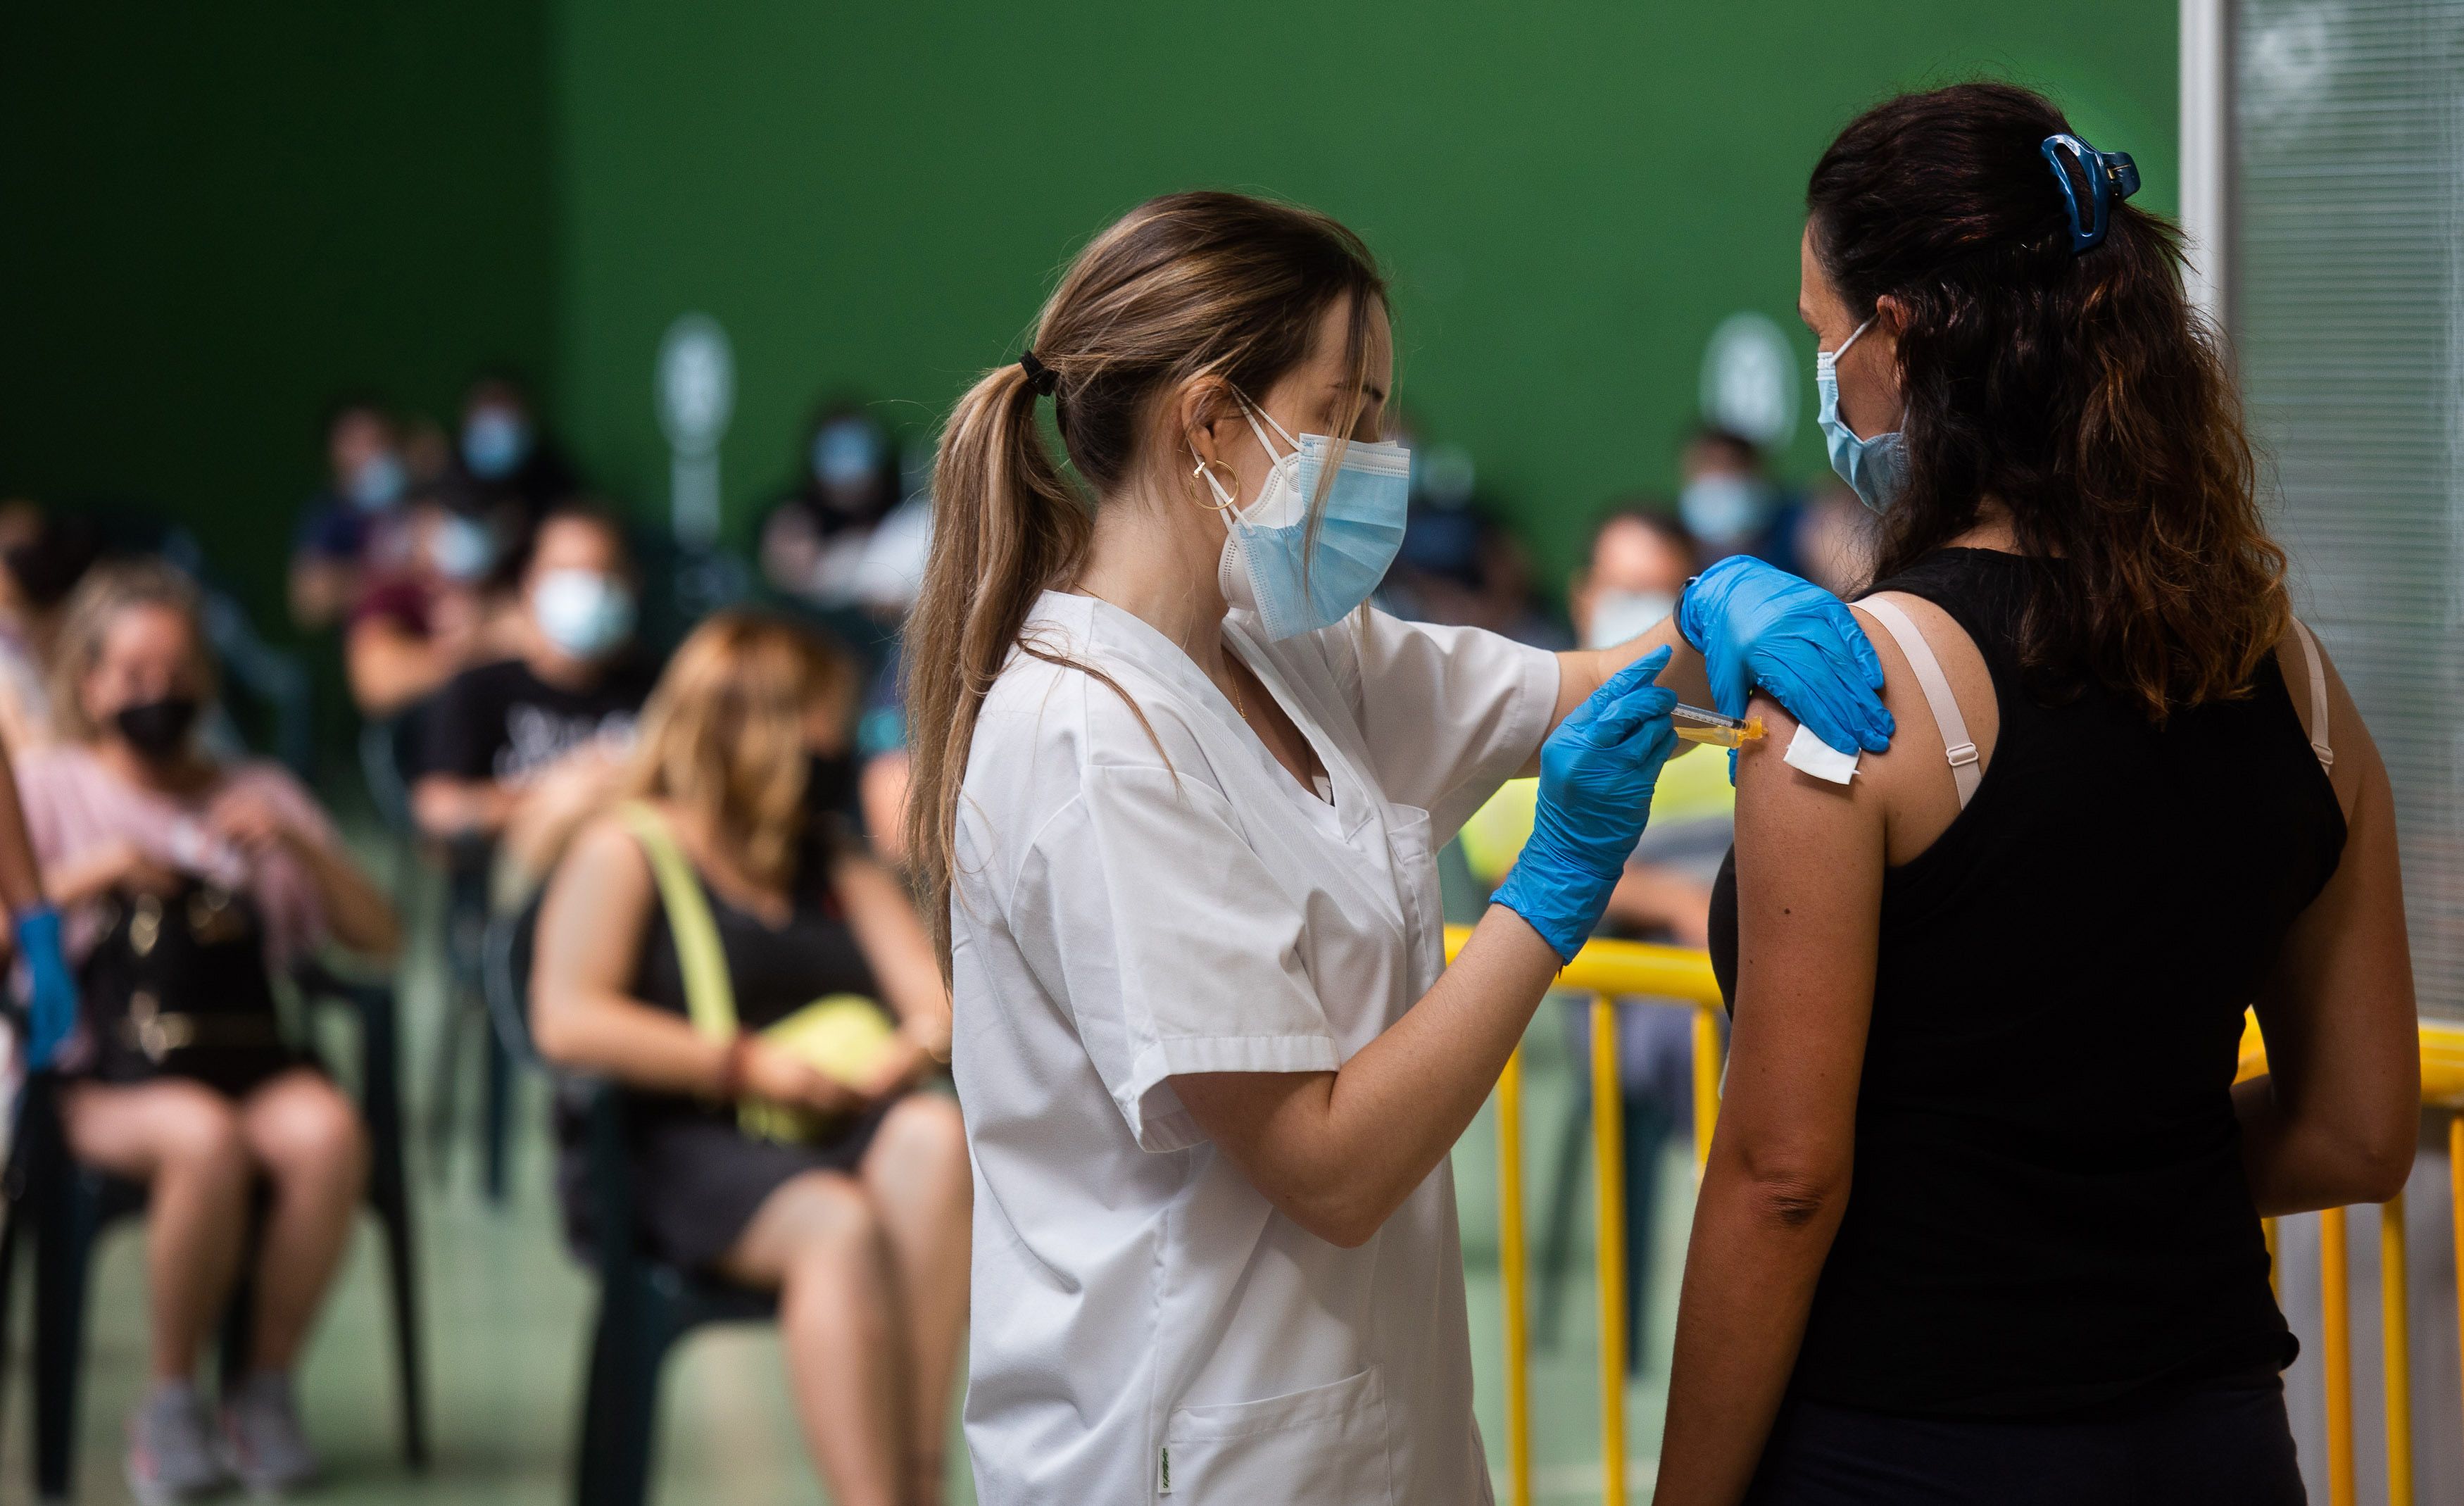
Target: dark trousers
[(2224, 1443)]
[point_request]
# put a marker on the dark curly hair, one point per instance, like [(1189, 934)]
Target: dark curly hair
[(2081, 390)]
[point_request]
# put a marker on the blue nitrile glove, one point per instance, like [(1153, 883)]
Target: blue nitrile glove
[(1596, 774), (1758, 625), (54, 1004)]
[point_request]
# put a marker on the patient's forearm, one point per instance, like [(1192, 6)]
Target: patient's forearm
[(2301, 1164), (1758, 1251)]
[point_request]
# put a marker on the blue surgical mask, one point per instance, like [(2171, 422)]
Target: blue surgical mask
[(375, 483), (461, 548), (496, 441), (1723, 510), (846, 455), (583, 612), (1875, 468), (1270, 564)]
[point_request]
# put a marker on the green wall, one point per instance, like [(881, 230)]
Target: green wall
[(218, 216), (1569, 196)]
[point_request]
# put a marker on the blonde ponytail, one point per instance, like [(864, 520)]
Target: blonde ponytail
[(1005, 528)]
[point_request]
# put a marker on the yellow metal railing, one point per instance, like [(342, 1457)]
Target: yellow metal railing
[(1607, 971), (2442, 1087), (1682, 979)]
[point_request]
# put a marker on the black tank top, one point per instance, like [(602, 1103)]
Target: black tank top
[(774, 970), (2048, 1210)]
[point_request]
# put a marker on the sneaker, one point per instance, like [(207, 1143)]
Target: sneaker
[(171, 1454), (261, 1423)]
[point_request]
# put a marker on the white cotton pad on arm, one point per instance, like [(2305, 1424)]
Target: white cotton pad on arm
[(1818, 758)]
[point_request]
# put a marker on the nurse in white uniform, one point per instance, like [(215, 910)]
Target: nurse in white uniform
[(1177, 798)]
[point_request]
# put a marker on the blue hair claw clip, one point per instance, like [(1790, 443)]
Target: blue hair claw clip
[(2111, 176)]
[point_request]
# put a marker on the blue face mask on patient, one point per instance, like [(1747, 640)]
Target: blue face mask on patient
[(1272, 565), (1875, 468)]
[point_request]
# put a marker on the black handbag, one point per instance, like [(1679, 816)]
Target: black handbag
[(178, 987)]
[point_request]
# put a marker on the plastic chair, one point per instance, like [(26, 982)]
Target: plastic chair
[(70, 1205), (468, 862), (385, 760), (645, 1305), (387, 757)]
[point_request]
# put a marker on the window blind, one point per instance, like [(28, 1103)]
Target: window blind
[(2346, 302)]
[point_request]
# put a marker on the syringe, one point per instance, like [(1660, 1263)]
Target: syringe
[(1695, 724)]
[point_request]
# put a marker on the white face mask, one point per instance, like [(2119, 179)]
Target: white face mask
[(1624, 616), (585, 613)]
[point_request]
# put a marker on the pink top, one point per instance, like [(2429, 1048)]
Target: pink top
[(75, 804)]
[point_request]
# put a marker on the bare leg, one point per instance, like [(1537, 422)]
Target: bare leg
[(922, 1192), (816, 1241), (306, 1135), (182, 1140)]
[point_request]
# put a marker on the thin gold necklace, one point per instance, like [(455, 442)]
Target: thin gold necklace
[(1232, 677)]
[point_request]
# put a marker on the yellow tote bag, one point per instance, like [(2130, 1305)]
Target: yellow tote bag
[(841, 1035)]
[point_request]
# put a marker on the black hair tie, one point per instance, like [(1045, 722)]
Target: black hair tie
[(1038, 376)]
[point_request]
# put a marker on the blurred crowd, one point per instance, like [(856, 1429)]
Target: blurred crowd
[(731, 927)]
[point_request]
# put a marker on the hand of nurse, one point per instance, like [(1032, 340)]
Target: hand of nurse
[(1597, 771), (1758, 625)]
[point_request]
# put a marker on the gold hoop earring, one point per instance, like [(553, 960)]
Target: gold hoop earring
[(1202, 472)]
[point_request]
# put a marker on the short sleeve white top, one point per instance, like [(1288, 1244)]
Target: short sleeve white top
[(1143, 890)]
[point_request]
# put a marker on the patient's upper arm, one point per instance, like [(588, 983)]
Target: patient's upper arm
[(1808, 910)]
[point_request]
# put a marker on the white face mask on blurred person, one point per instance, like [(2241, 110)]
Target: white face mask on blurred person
[(1624, 616), (1724, 510), (583, 612)]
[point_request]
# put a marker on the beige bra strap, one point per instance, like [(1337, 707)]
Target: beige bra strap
[(2318, 742), (1956, 744)]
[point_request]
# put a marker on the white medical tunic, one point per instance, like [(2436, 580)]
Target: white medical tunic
[(1135, 901)]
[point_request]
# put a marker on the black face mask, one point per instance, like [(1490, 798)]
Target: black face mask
[(157, 729), (830, 784)]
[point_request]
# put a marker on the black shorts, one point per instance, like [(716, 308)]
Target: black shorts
[(234, 1074), (2223, 1442), (699, 1180)]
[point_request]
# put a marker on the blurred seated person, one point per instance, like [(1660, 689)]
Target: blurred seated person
[(427, 451), (423, 618), (42, 557), (1727, 501), (345, 523), (858, 1215), (186, 885), (887, 582), (883, 769), (519, 748), (1458, 566), (813, 542), (506, 457), (1638, 565), (1639, 562)]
